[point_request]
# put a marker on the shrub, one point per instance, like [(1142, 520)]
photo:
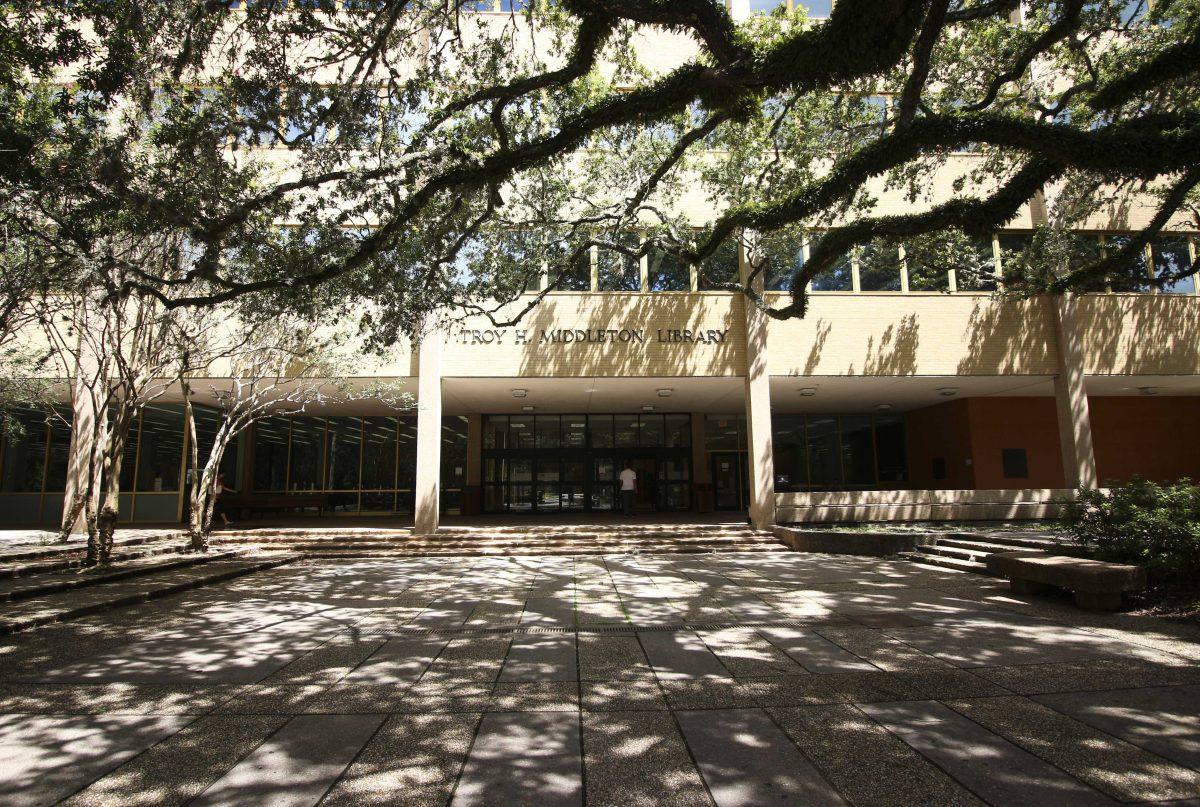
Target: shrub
[(1157, 526)]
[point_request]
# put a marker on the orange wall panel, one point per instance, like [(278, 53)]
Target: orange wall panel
[(1028, 423), (1158, 438), (942, 430)]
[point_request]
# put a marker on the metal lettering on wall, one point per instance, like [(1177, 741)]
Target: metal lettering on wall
[(585, 336)]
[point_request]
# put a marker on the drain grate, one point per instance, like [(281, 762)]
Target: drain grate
[(622, 627)]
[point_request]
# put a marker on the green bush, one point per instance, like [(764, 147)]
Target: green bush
[(1145, 523)]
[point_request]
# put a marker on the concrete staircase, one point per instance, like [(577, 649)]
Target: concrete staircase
[(558, 539), (968, 552)]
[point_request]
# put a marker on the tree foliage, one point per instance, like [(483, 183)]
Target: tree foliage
[(428, 159)]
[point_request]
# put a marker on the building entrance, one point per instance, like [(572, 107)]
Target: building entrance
[(556, 463), (731, 480)]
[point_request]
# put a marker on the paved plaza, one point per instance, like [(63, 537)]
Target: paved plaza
[(728, 679)]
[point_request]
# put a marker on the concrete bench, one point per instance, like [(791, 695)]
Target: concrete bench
[(1097, 585)]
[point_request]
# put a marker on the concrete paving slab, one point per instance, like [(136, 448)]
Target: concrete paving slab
[(296, 765), (991, 767), (638, 759), (396, 662), (1115, 767), (814, 652), (541, 658), (523, 758), (1162, 720), (624, 695), (746, 654), (46, 758), (609, 658), (864, 762), (746, 760), (412, 761), (180, 767), (680, 655)]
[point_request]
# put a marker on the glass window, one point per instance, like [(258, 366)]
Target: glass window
[(308, 454), (878, 268), (824, 458), (668, 272), (547, 431), (721, 266), (208, 421), (678, 431), (600, 428), (271, 454), (25, 454), (1134, 275), (783, 255), (161, 447), (890, 452), (454, 455), (345, 448), (836, 278), (616, 271), (60, 452), (625, 430), (791, 463), (858, 450), (406, 463), (723, 433), (129, 456), (379, 454), (495, 431), (1171, 257), (603, 482), (574, 431), (1013, 250), (652, 431), (520, 432), (578, 276), (976, 271)]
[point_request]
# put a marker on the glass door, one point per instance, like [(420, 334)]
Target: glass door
[(646, 499), (729, 480)]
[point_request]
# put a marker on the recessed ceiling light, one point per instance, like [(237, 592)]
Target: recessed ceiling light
[(527, 408), (947, 392), (647, 408), (520, 393), (1147, 390), (808, 392), (665, 393), (883, 407)]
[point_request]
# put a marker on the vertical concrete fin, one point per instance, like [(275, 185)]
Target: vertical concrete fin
[(429, 434), (1070, 398)]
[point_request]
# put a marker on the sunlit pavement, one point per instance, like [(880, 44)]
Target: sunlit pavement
[(684, 679)]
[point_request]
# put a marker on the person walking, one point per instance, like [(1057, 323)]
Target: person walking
[(628, 487), (219, 508)]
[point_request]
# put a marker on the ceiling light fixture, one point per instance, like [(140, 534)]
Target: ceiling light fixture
[(665, 392), (1147, 390), (647, 408), (883, 407), (808, 392), (526, 408), (520, 393), (947, 392)]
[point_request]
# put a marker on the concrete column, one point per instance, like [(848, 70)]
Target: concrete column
[(758, 410), (429, 435), (1070, 397)]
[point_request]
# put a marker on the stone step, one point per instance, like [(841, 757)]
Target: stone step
[(965, 553), (944, 562), (50, 608), (1002, 539), (75, 558), (23, 588), (493, 541), (50, 552), (668, 549), (989, 547)]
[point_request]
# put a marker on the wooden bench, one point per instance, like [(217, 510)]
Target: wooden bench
[(273, 502), (1097, 585)]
